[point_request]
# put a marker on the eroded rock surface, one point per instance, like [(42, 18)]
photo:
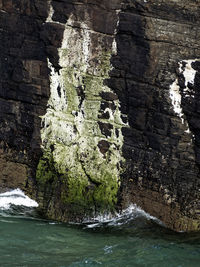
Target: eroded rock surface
[(115, 88)]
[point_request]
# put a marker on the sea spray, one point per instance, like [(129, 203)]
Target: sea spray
[(16, 197), (125, 216)]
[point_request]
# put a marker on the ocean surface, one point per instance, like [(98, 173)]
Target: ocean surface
[(132, 238)]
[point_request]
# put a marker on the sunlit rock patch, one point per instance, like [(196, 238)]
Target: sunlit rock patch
[(81, 133)]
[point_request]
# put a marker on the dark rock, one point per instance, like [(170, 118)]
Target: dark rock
[(105, 128), (161, 146), (109, 96), (24, 90), (103, 146)]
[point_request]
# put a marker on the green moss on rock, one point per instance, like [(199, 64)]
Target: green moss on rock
[(87, 179), (76, 190), (45, 172)]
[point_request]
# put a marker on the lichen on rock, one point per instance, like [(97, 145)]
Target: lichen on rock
[(81, 146)]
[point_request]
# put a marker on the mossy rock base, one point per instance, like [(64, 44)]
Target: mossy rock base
[(68, 197)]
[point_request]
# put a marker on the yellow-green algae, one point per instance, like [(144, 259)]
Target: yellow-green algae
[(88, 179)]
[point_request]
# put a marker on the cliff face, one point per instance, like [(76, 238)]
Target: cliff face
[(24, 89), (114, 87), (159, 49)]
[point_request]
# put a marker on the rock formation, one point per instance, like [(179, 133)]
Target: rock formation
[(24, 89), (99, 106)]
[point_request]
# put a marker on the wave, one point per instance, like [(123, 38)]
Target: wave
[(16, 197), (16, 203), (130, 214)]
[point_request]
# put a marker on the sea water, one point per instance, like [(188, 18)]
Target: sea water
[(132, 238)]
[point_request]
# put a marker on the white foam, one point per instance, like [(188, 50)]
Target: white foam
[(126, 215), (15, 197)]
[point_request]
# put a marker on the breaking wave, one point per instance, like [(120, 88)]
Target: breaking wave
[(17, 198), (16, 203), (126, 216)]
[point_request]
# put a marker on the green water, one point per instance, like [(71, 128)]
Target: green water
[(26, 240)]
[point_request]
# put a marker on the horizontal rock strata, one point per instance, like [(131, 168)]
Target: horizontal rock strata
[(100, 106)]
